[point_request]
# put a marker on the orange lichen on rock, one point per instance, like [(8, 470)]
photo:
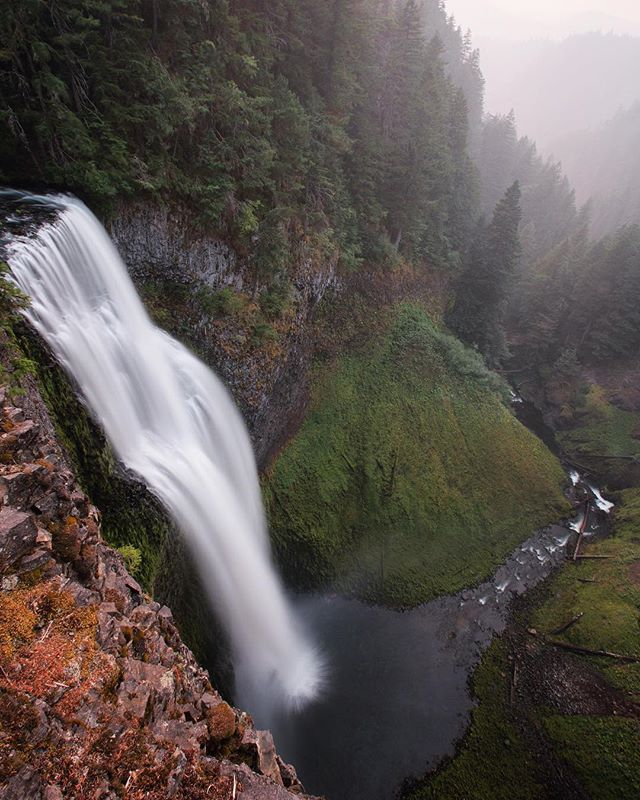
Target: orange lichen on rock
[(17, 624), (55, 643), (221, 722)]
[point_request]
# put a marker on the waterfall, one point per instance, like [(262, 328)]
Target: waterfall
[(171, 421)]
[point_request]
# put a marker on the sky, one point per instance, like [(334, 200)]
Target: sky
[(526, 19)]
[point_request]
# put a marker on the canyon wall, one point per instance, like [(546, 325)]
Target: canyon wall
[(177, 266)]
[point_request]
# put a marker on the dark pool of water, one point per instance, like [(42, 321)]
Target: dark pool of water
[(397, 698)]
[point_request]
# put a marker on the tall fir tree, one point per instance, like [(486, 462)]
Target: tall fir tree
[(479, 310)]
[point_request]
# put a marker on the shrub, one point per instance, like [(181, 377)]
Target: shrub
[(263, 332), (247, 220), (225, 302), (132, 558), (414, 332), (275, 301)]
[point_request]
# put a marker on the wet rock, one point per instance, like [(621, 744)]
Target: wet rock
[(289, 776), (267, 761), (9, 583), (19, 487), (252, 787), (37, 559), (42, 728), (26, 785), (143, 617), (186, 736), (260, 748), (44, 539), (132, 584), (21, 435), (18, 533)]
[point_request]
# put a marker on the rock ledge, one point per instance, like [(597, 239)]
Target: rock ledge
[(99, 697)]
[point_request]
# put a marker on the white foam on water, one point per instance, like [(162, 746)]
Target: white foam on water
[(603, 505)]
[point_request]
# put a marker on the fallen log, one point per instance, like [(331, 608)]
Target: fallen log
[(614, 458), (593, 556), (514, 679), (585, 651), (567, 625), (583, 528), (587, 580)]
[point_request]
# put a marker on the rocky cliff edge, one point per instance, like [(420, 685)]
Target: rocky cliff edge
[(99, 697)]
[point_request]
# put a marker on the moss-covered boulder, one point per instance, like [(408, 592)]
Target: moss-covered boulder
[(410, 477)]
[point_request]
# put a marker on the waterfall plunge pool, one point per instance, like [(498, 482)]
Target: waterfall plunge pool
[(397, 699)]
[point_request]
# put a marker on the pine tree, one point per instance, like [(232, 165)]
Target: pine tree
[(478, 313)]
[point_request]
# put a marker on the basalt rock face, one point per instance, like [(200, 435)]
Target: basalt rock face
[(161, 246), (156, 242), (99, 697)]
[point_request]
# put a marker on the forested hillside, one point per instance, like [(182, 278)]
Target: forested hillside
[(338, 117)]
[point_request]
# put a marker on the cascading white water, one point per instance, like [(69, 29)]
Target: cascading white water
[(170, 420)]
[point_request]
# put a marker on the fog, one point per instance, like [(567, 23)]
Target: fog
[(569, 71), (555, 86), (530, 19)]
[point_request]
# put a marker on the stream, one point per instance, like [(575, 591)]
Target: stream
[(397, 698)]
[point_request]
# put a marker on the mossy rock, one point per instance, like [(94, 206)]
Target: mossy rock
[(409, 478)]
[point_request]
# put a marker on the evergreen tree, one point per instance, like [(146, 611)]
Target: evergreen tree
[(340, 120), (478, 313)]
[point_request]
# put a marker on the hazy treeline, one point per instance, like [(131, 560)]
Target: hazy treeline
[(604, 166), (578, 100), (582, 302), (560, 88), (548, 200)]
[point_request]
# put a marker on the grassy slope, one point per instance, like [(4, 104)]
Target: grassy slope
[(600, 429), (409, 477), (610, 606), (602, 751), (603, 428)]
